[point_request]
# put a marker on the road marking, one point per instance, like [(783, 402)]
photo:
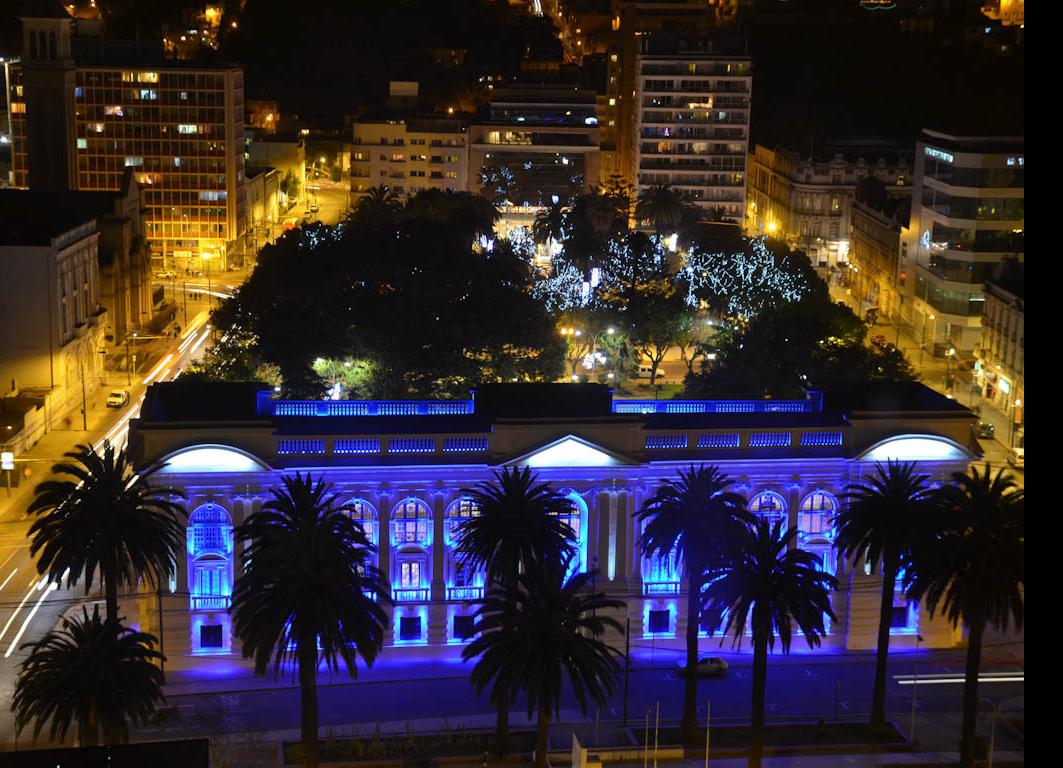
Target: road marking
[(34, 586), (985, 677), (9, 576), (14, 643)]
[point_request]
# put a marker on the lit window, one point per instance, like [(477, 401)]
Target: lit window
[(770, 506), (83, 143), (364, 513), (132, 160), (410, 522), (113, 110), (148, 94), (187, 128)]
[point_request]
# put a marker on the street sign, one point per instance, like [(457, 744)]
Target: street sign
[(7, 460)]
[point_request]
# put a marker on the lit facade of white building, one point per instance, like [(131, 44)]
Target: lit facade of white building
[(405, 466)]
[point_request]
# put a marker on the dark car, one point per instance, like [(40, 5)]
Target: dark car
[(985, 430)]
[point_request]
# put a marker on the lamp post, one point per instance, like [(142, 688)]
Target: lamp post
[(915, 686), (922, 344), (207, 256), (1016, 403), (948, 368)]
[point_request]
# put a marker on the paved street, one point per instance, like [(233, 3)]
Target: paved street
[(423, 694)]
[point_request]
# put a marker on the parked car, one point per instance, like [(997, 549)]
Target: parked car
[(117, 398), (985, 430), (314, 208), (166, 274), (1016, 457), (709, 666)]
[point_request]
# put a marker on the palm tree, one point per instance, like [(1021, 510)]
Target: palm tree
[(884, 520), (781, 587), (105, 519), (549, 224), (306, 592), (519, 528), (662, 206), (556, 629), (699, 519), (93, 673), (974, 570), (377, 206)]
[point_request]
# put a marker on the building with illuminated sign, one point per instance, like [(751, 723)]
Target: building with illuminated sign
[(404, 467), (691, 120), (86, 109), (968, 213)]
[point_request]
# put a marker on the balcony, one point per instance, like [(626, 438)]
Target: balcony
[(410, 595), (660, 588), (210, 603), (465, 593)]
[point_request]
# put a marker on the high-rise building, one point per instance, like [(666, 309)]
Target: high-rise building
[(691, 129), (968, 212), (86, 110)]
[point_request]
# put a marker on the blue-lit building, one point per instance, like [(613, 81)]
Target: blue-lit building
[(404, 466)]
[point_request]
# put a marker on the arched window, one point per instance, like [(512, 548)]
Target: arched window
[(457, 512), (576, 519), (210, 550), (660, 573), (409, 522), (770, 506), (463, 581), (364, 513), (815, 528), (815, 520)]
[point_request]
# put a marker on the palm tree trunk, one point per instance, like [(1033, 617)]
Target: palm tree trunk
[(502, 727), (690, 677), (110, 589), (90, 729), (542, 737), (308, 700), (760, 684), (969, 730), (882, 649)]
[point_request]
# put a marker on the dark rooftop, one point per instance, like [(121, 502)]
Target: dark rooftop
[(43, 9), (34, 217), (887, 397), (191, 399)]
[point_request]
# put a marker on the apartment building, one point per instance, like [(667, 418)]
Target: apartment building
[(409, 155), (1001, 368), (691, 129), (968, 214), (87, 109)]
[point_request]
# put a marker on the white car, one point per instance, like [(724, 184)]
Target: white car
[(166, 274), (709, 666), (117, 398)]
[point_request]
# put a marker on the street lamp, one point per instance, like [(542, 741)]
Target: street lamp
[(915, 686), (922, 344)]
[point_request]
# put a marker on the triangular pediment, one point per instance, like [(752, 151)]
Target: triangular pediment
[(571, 451)]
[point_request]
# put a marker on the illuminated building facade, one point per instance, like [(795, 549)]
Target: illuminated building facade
[(404, 466), (691, 128), (409, 155), (84, 118), (807, 202), (540, 142), (968, 214)]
